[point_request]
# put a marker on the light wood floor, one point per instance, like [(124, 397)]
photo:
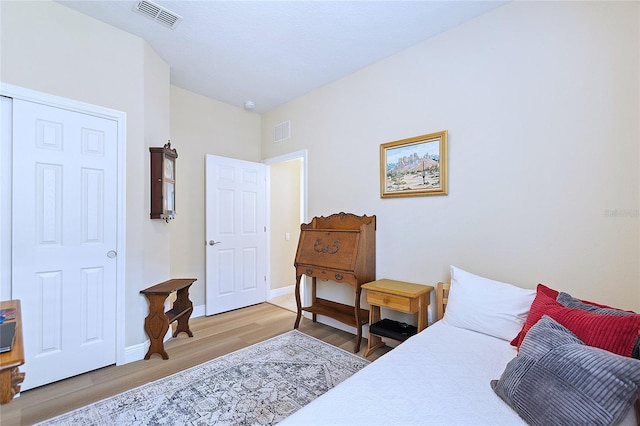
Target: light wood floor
[(213, 336)]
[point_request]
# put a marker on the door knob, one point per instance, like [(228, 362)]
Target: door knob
[(213, 243), (111, 254)]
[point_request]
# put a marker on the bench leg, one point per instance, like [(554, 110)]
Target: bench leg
[(183, 303), (156, 325)]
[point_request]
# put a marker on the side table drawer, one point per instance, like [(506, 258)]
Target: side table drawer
[(387, 300)]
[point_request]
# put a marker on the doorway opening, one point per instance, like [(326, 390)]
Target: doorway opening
[(287, 199)]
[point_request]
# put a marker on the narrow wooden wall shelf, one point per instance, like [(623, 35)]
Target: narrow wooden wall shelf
[(156, 324)]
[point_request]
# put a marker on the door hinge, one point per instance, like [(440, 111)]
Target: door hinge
[(265, 229)]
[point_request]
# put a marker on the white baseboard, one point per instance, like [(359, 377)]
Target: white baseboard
[(198, 311), (135, 352), (276, 292)]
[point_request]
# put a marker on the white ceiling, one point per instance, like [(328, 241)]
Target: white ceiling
[(271, 52)]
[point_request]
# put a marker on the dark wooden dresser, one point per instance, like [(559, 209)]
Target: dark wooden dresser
[(340, 248)]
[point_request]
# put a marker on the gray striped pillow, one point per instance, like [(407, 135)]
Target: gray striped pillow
[(558, 380)]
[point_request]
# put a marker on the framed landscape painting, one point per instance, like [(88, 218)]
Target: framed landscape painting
[(414, 166)]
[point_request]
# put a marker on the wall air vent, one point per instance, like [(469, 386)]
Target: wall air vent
[(282, 131), (157, 13)]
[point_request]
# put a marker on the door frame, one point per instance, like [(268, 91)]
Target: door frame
[(296, 155), (120, 117)]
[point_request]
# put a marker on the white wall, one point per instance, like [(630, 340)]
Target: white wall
[(52, 49), (541, 101), (200, 126), (156, 265)]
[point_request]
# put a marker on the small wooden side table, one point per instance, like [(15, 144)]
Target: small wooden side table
[(10, 375), (156, 324), (399, 296)]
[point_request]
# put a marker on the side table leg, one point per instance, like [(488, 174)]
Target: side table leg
[(10, 380), (6, 386), (423, 304), (374, 342), (358, 323)]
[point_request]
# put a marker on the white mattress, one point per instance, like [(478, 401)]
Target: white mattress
[(438, 377)]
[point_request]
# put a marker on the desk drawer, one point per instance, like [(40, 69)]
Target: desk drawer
[(399, 303), (326, 274)]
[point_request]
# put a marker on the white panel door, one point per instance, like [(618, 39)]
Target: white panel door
[(235, 222), (64, 239)]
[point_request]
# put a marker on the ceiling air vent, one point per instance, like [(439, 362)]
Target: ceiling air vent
[(282, 131), (157, 13)]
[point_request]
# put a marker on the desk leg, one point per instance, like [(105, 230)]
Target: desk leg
[(183, 303), (298, 302), (314, 316), (156, 325)]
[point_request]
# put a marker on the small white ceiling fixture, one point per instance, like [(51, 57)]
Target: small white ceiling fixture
[(250, 105), (157, 13)]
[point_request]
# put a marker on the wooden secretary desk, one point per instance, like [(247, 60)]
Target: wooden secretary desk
[(340, 248)]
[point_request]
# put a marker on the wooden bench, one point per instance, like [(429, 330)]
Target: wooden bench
[(156, 324)]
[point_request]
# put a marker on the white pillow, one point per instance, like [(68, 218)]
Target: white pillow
[(487, 306)]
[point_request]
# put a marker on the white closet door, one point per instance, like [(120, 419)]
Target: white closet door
[(64, 226)]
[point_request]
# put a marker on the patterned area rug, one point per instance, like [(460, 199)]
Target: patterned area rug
[(258, 385)]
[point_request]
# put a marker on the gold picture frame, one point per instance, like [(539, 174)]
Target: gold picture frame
[(414, 166)]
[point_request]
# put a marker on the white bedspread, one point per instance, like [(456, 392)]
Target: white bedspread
[(438, 377)]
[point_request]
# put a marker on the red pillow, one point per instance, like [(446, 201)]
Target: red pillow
[(549, 291), (541, 288), (613, 333)]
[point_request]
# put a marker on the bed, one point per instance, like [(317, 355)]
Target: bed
[(453, 372)]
